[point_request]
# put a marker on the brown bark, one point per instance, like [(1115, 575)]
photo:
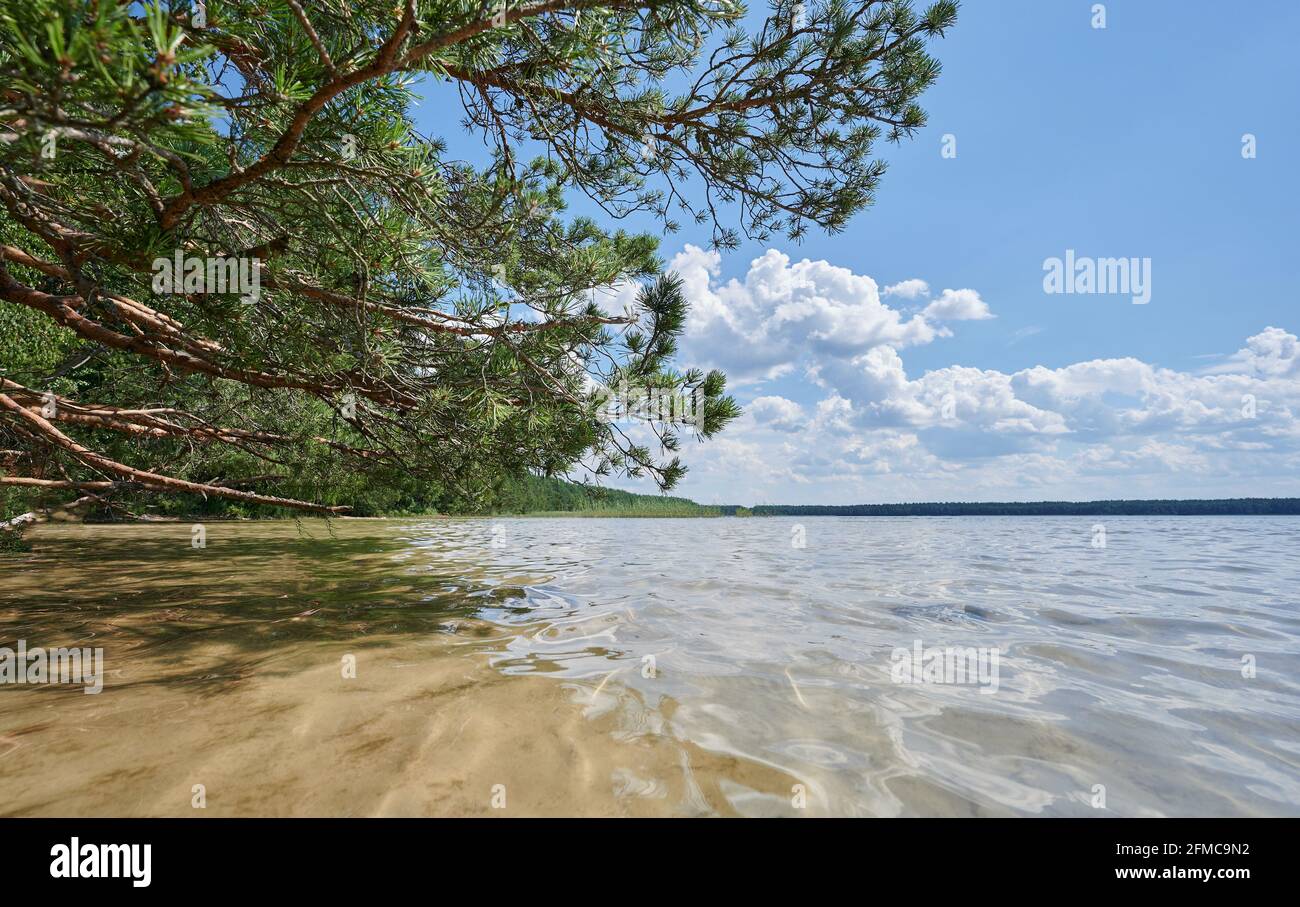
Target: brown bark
[(151, 480)]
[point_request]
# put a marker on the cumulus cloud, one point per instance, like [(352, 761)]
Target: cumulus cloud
[(777, 412), (1095, 429), (1115, 427), (1087, 401), (908, 289), (785, 314), (958, 305), (1272, 352)]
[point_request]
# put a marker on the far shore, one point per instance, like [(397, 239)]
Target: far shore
[(688, 509)]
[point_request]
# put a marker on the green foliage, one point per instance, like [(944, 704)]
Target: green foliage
[(426, 330), (12, 541), (542, 496)]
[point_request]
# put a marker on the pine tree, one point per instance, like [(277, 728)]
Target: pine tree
[(416, 326)]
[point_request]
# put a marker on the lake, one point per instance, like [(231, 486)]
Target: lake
[(894, 666)]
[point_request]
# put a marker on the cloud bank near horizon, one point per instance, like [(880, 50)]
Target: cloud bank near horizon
[(815, 353)]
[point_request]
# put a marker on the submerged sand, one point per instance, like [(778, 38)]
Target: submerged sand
[(655, 668)]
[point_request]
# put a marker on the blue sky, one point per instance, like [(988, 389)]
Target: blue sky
[(1117, 142), (1122, 141)]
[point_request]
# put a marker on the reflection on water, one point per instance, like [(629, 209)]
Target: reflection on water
[(659, 667)]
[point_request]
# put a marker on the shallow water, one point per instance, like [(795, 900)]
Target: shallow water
[(660, 667)]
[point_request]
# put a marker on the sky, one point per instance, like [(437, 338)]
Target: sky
[(918, 356)]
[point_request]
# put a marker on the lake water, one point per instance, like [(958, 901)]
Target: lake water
[(661, 667)]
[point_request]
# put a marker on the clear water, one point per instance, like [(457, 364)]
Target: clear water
[(660, 667)]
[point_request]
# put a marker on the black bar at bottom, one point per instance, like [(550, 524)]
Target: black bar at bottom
[(337, 856)]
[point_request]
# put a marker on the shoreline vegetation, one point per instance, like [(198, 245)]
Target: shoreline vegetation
[(535, 496), (554, 497), (650, 506)]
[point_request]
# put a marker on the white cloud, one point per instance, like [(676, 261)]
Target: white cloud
[(1116, 427), (783, 315), (777, 412), (908, 289), (1272, 352), (958, 305), (617, 299)]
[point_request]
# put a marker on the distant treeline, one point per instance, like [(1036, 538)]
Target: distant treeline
[(535, 494), (1226, 506)]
